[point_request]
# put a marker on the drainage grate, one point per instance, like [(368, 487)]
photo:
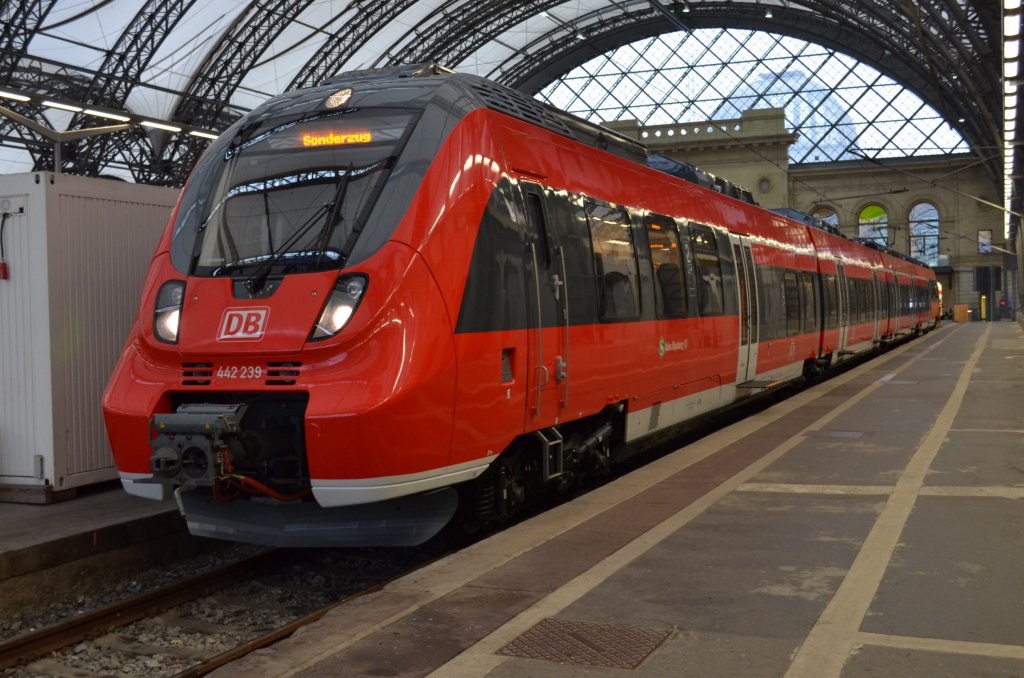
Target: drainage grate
[(587, 643)]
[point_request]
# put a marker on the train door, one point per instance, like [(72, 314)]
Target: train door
[(548, 324), (844, 304), (747, 288)]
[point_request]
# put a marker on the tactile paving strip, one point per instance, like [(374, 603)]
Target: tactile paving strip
[(587, 644)]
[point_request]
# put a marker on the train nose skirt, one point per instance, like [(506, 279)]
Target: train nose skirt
[(406, 521)]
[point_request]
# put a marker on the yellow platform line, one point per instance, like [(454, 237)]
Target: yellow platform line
[(482, 658), (983, 492), (825, 650), (941, 645), (794, 488)]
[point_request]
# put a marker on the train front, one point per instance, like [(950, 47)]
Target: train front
[(290, 373)]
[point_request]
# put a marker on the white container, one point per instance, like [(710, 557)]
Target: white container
[(78, 249)]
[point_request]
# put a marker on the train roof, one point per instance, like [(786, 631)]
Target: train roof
[(472, 91), (488, 94), (462, 93)]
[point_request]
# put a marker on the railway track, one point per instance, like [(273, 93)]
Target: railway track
[(194, 626)]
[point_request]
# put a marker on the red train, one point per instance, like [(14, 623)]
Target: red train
[(407, 289)]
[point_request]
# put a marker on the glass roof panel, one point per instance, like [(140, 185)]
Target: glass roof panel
[(736, 68), (843, 109)]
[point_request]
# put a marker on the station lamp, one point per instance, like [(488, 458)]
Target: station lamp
[(1011, 99), (124, 118)]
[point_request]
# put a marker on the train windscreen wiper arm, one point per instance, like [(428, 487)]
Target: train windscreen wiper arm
[(333, 218), (255, 282)]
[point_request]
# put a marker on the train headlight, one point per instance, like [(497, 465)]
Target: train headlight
[(167, 313), (339, 308)]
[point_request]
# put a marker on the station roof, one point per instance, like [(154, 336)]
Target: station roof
[(199, 66)]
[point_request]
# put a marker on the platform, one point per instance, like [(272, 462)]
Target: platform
[(871, 525), (57, 544)]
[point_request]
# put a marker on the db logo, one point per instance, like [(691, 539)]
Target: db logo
[(243, 324)]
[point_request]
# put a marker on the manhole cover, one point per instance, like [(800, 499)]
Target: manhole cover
[(587, 643)]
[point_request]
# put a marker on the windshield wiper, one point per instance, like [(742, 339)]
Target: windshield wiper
[(255, 282), (333, 218), (368, 204)]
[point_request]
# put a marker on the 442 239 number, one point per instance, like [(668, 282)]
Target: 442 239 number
[(239, 372)]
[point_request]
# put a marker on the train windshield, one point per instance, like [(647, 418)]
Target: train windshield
[(293, 196)]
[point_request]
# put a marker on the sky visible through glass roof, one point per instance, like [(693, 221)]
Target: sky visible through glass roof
[(843, 109)]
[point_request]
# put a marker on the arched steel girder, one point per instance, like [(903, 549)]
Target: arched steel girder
[(35, 75), (900, 49), (205, 100), (929, 42), (896, 44), (66, 82), (460, 31), (919, 35), (556, 53), (129, 58), (19, 21), (337, 49)]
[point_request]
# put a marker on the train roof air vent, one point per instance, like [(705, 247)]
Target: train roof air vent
[(695, 175), (518, 105), (405, 71)]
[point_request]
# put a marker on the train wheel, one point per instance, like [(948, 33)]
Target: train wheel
[(509, 487), (493, 498), (813, 371)]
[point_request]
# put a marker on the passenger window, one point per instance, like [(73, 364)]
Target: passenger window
[(859, 292), (792, 304), (853, 316), (709, 287), (832, 301), (535, 215), (865, 301), (614, 262), (809, 302), (667, 263), (772, 300)]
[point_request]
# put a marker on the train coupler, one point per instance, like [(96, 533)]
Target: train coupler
[(190, 446)]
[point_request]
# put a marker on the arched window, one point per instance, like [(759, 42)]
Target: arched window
[(873, 224), (826, 214), (924, 233)]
